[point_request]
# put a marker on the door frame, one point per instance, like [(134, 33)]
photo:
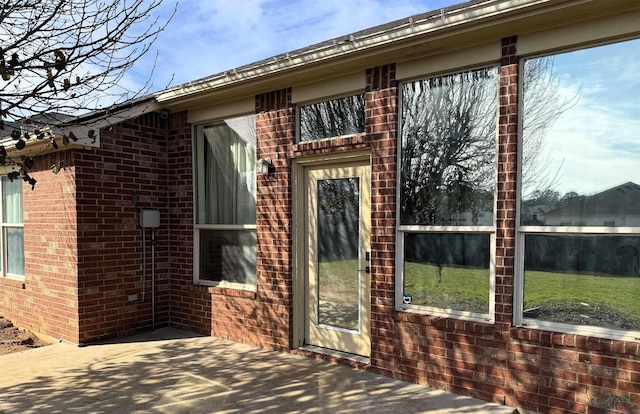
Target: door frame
[(299, 222)]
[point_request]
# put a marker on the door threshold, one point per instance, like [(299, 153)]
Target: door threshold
[(335, 355)]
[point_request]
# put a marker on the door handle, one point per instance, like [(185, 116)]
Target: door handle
[(366, 269)]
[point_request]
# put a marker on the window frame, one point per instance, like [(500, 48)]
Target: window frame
[(198, 228), (4, 274), (402, 229), (518, 314), (299, 106), (519, 320)]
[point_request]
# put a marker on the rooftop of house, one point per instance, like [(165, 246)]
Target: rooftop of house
[(460, 26), (622, 199), (434, 31), (351, 37)]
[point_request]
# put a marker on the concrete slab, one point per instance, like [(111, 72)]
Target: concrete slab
[(172, 371)]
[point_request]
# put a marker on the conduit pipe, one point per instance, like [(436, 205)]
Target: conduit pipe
[(143, 278), (153, 278), (149, 219)]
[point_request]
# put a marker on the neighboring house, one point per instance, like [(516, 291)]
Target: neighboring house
[(286, 203), (618, 206)]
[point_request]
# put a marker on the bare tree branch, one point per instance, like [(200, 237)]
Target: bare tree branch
[(70, 57), (67, 55)]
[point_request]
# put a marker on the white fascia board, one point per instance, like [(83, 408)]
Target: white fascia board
[(347, 45), (83, 132), (87, 130)]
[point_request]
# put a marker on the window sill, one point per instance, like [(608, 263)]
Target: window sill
[(232, 292), (470, 325), (344, 143), (549, 333), (15, 283)]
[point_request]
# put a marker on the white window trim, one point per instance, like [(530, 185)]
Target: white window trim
[(4, 250), (401, 230), (197, 227), (196, 257), (521, 231)]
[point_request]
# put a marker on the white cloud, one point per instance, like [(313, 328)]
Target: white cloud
[(595, 148), (595, 144), (208, 37)]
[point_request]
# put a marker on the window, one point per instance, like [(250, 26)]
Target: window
[(225, 228), (580, 270), (333, 118), (12, 240), (447, 194)]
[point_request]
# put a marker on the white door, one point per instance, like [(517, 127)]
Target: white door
[(337, 242)]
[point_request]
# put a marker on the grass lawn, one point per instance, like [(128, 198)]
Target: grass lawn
[(620, 293), (467, 289), (455, 288), (339, 273)]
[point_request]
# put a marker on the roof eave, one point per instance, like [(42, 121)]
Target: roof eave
[(446, 20)]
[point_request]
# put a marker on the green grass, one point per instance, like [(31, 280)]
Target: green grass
[(467, 289), (343, 272), (621, 293), (456, 288)]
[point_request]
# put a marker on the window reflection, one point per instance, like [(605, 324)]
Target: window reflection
[(338, 246), (583, 280), (333, 118), (448, 149), (447, 178), (581, 164), (448, 270), (581, 180)]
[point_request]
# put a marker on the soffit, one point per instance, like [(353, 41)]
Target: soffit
[(476, 23)]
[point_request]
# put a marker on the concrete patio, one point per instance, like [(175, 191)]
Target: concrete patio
[(173, 371)]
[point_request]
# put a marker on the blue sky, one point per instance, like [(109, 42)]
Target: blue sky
[(207, 37), (595, 144), (210, 36)]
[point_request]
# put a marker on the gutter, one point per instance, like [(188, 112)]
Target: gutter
[(465, 14)]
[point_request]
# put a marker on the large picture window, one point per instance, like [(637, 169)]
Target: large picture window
[(12, 240), (447, 194), (225, 228), (579, 225), (332, 118)]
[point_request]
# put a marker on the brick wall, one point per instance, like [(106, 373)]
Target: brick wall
[(46, 302), (381, 117), (128, 173), (507, 181), (275, 133), (190, 304), (531, 369)]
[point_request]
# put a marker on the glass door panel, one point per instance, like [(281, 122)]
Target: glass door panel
[(338, 247), (337, 236)]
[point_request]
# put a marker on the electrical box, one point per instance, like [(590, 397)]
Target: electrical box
[(149, 218)]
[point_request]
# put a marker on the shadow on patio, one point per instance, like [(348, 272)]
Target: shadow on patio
[(171, 371)]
